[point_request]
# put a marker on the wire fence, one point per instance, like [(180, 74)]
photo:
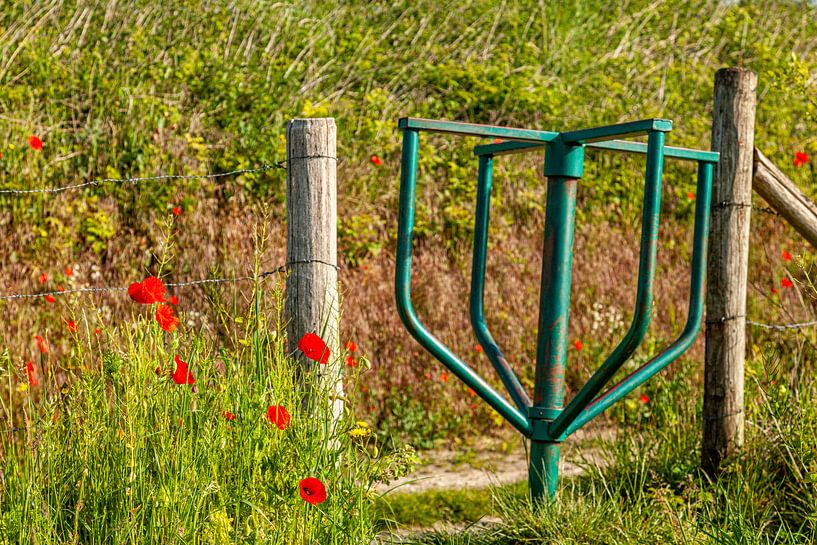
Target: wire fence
[(283, 268), (141, 179), (13, 430), (106, 289), (753, 323), (278, 270), (753, 206), (183, 284)]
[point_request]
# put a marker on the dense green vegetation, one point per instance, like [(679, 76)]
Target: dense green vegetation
[(140, 87)]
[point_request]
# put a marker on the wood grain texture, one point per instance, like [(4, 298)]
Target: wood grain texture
[(785, 197), (311, 304), (733, 120)]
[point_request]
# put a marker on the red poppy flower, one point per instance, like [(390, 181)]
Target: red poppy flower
[(376, 160), (497, 140), (35, 143), (173, 300), (60, 289), (774, 290), (31, 371), (644, 398), (444, 377), (182, 374), (314, 348), (577, 344), (350, 361), (228, 416), (43, 278), (785, 282), (97, 331), (164, 315), (428, 376), (41, 344), (473, 405), (278, 416), (478, 348), (154, 288), (312, 490), (472, 392), (148, 291), (690, 195), (800, 159), (137, 292), (364, 389), (786, 255), (72, 325), (50, 298), (69, 271), (351, 346), (176, 210)]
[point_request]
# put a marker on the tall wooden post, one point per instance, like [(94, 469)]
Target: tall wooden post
[(311, 304), (733, 121)]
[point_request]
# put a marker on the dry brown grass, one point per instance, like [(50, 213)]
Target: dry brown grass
[(605, 265)]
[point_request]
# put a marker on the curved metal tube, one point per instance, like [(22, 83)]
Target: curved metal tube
[(644, 297), (477, 304), (405, 309), (696, 305)]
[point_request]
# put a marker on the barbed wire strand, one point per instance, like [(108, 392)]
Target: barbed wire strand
[(729, 204), (278, 270), (13, 430), (233, 279), (163, 177), (777, 327), (783, 327), (141, 179)]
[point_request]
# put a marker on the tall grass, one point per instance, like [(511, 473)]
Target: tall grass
[(112, 450)]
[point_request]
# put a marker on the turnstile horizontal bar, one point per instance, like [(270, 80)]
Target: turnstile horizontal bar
[(619, 130), (506, 148), (472, 129)]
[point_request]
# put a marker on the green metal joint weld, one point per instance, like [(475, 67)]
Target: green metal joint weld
[(543, 413), (563, 159), (542, 420), (542, 430)]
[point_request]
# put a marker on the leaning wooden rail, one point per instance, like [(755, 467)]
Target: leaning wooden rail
[(785, 197)]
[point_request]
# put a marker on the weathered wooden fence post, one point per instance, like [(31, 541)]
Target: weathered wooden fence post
[(733, 122), (311, 304)]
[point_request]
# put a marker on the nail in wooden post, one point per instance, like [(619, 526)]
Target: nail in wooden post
[(733, 121), (311, 304)]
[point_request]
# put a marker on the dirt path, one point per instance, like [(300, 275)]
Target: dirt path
[(487, 465)]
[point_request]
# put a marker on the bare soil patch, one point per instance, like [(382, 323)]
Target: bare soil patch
[(493, 463)]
